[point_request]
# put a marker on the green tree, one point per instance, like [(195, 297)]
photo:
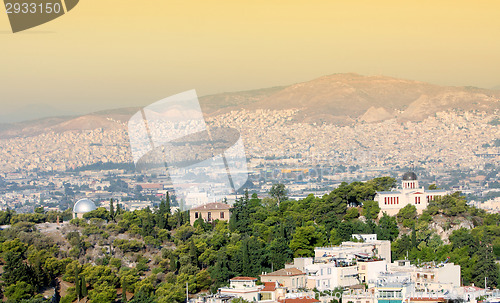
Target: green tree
[(15, 270), (279, 192), (305, 239), (279, 253), (352, 213), (83, 287), (101, 213), (387, 228), (124, 291), (485, 267), (371, 209), (19, 291), (409, 212), (111, 209), (433, 187), (102, 293)]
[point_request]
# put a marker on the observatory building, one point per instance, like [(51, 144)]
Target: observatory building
[(409, 193), (82, 207)]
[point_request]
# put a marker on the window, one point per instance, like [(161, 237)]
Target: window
[(222, 215), (209, 216), (196, 215)]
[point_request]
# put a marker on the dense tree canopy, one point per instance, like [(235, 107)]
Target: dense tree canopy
[(151, 253)]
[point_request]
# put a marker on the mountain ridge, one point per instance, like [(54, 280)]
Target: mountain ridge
[(340, 99)]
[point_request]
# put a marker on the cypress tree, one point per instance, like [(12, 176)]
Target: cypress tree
[(124, 290), (56, 298), (111, 209), (84, 290), (413, 236), (77, 282)]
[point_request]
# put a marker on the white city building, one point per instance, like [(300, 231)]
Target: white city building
[(391, 202)]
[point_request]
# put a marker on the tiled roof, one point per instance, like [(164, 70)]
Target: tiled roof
[(285, 272), (440, 299), (269, 286), (212, 206), (243, 279), (299, 300)]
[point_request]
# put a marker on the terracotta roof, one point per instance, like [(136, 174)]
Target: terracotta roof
[(269, 286), (427, 299), (243, 279), (151, 185), (285, 272), (299, 300), (212, 206)]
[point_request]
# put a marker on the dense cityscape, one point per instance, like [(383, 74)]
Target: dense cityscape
[(373, 212)]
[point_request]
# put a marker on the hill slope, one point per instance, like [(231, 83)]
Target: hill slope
[(339, 99)]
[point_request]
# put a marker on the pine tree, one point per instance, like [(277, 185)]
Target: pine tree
[(485, 267), (14, 270)]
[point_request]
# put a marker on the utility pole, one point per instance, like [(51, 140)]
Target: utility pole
[(485, 287), (187, 292)]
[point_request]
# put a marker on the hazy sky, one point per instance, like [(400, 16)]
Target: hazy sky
[(118, 53)]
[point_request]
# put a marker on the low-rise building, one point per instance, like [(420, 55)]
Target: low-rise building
[(370, 269), (410, 193), (349, 249), (430, 277), (291, 278), (210, 212), (327, 275), (242, 287)]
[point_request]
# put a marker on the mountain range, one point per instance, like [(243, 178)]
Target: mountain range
[(340, 99)]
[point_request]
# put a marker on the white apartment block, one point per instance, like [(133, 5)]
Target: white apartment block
[(430, 277)]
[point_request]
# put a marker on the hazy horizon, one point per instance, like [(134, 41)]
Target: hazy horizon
[(28, 112), (90, 60)]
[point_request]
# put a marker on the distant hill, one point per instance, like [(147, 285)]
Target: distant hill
[(345, 98), (339, 99)]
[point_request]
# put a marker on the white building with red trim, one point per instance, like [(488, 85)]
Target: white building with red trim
[(391, 202)]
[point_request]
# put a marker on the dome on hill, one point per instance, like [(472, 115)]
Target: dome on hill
[(409, 176), (84, 206)]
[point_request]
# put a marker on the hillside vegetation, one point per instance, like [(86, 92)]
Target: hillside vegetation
[(148, 255)]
